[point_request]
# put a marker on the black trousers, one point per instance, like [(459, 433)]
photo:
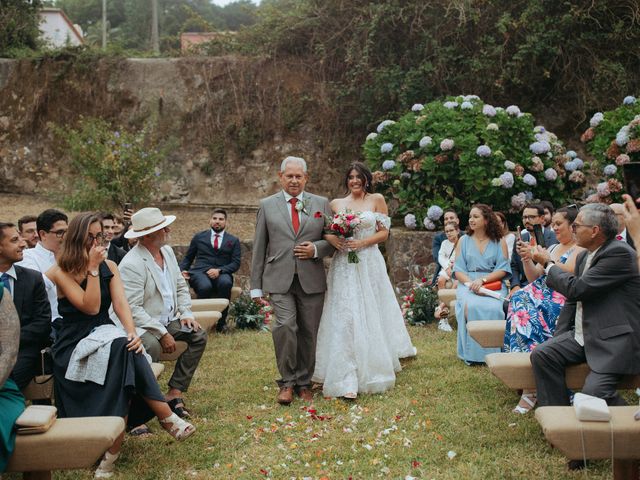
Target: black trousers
[(28, 365), (206, 287), (549, 361)]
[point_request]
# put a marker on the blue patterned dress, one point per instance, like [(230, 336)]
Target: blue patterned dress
[(479, 307), (533, 311)]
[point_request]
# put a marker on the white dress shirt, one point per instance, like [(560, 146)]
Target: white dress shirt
[(41, 259), (220, 237), (168, 313), (579, 333)]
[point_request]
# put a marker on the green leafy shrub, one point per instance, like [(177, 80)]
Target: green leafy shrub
[(247, 314), (111, 166), (613, 139), (462, 151), (419, 304)]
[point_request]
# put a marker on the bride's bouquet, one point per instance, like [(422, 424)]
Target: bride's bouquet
[(343, 224)]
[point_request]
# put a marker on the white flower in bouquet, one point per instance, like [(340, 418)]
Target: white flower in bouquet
[(509, 165), (447, 144), (410, 221), (372, 136), (466, 106), (425, 141), (496, 182), (493, 127), (384, 124), (450, 105), (468, 98)]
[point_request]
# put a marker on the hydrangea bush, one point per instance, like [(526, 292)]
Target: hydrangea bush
[(613, 139), (460, 151)]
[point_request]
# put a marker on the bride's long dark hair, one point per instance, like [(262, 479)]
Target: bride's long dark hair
[(365, 175)]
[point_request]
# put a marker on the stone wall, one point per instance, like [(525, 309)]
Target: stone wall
[(407, 253)]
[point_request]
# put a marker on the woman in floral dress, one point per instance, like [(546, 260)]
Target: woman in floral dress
[(534, 309)]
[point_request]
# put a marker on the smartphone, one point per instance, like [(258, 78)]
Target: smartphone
[(537, 232), (631, 175), (127, 206), (518, 235)]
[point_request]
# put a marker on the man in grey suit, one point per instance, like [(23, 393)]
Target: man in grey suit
[(160, 300), (287, 264), (600, 321)]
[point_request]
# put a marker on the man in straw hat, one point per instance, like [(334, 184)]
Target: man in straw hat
[(160, 300)]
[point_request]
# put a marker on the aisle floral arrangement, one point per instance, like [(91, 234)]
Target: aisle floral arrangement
[(613, 139), (249, 315), (453, 153), (419, 303)]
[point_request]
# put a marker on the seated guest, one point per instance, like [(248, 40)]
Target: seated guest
[(600, 321), (531, 215), (121, 225), (509, 238), (114, 253), (121, 384), (29, 294), (217, 258), (447, 256), (534, 309), (481, 258), (449, 216), (547, 228), (11, 400), (118, 225), (618, 209), (160, 300), (28, 230), (52, 227)]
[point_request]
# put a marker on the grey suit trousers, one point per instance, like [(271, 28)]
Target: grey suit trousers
[(294, 333), (549, 361), (187, 363)]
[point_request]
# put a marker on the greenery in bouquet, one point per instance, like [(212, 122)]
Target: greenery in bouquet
[(246, 314), (420, 303), (461, 151), (613, 139)]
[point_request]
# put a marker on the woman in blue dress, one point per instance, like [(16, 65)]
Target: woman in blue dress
[(481, 258), (534, 309)]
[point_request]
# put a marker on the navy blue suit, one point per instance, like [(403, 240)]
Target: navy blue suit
[(518, 276), (226, 258)]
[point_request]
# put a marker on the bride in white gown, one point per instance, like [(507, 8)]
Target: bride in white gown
[(362, 334)]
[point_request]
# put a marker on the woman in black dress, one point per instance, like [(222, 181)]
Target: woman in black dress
[(88, 285)]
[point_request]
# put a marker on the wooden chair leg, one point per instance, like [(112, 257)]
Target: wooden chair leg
[(626, 469), (36, 475)]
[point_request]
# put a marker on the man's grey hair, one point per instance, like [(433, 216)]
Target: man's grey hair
[(298, 160), (603, 216)]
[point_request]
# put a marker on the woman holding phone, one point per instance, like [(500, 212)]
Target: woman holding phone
[(534, 309)]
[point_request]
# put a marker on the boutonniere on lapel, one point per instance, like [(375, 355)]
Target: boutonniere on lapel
[(302, 206), (229, 244)]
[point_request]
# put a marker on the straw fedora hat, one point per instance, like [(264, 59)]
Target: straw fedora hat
[(148, 220)]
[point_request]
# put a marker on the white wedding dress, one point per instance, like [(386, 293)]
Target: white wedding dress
[(362, 334)]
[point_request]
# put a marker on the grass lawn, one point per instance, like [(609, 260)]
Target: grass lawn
[(438, 406)]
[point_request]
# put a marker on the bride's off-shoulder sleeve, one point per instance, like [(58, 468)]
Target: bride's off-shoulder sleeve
[(383, 220)]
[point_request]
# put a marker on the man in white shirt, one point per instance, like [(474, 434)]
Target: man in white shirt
[(52, 226)]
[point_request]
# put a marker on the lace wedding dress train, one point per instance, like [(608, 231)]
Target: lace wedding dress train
[(362, 334)]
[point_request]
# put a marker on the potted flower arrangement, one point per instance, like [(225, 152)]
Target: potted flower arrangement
[(247, 314)]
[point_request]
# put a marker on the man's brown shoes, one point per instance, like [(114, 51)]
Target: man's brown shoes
[(305, 394), (285, 395)]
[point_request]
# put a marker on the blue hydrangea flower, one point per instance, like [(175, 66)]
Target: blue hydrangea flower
[(629, 100), (571, 154), (550, 174), (468, 98), (388, 164), (434, 212), (450, 105), (410, 221), (466, 106), (570, 166), (538, 129), (425, 141), (622, 137), (483, 151), (428, 224), (489, 110), (405, 175), (417, 107), (509, 165), (528, 195), (610, 170), (507, 179), (596, 119), (540, 148), (384, 124), (579, 163), (386, 147), (513, 110), (530, 180), (519, 201), (372, 136)]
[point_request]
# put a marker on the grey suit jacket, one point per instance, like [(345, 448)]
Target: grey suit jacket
[(141, 279), (609, 291), (273, 264)]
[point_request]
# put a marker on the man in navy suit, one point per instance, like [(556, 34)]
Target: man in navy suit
[(531, 215), (217, 258), (29, 294)]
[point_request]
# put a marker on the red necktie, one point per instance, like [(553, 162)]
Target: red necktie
[(618, 237), (215, 241), (295, 219)]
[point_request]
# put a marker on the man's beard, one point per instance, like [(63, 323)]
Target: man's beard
[(217, 229)]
